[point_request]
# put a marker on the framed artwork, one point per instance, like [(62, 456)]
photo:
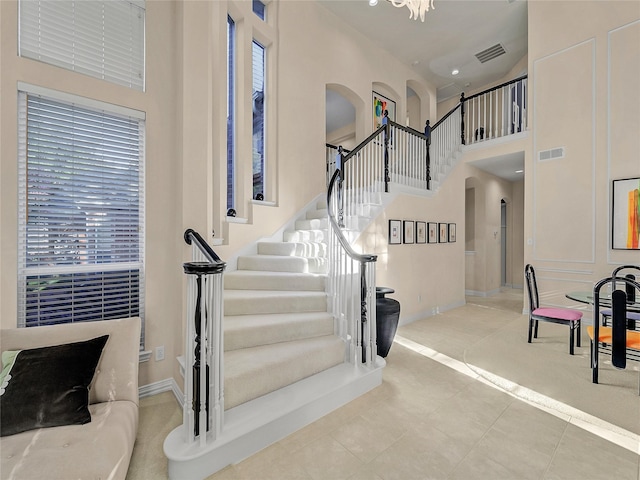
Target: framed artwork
[(443, 235), (380, 104), (395, 233), (452, 232), (625, 214), (408, 231), (432, 232), (421, 232)]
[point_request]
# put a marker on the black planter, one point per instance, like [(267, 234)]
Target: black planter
[(387, 317)]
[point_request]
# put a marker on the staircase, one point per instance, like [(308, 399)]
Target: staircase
[(276, 326), (294, 337), (284, 364)]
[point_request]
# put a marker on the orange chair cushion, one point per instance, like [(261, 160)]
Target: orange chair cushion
[(605, 334)]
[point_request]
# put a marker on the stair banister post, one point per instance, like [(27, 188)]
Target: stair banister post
[(385, 122), (427, 133), (462, 99), (340, 169)]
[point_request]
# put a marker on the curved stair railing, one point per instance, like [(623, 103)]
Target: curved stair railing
[(204, 353), (351, 280)]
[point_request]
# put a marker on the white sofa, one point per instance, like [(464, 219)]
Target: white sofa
[(100, 449)]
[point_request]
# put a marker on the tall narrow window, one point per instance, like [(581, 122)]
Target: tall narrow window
[(259, 9), (81, 211), (100, 38), (258, 119), (231, 76)]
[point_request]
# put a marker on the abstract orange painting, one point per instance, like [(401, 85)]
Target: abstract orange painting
[(626, 214)]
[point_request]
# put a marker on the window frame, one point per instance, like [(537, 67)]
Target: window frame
[(96, 265)]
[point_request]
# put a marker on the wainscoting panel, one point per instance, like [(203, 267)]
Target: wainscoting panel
[(564, 100)]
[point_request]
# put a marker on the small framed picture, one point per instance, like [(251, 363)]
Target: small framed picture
[(443, 235), (395, 232), (452, 232), (433, 232), (421, 232), (408, 236)]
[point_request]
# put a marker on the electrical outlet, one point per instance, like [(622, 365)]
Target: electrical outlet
[(159, 353)]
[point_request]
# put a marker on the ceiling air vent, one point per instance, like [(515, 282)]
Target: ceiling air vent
[(552, 154), (490, 53)]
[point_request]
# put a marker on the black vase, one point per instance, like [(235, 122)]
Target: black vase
[(387, 317)]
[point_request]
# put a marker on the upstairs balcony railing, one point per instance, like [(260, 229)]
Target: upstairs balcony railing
[(403, 156), (497, 112)]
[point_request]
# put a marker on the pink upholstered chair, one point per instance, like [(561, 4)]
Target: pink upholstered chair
[(563, 316)]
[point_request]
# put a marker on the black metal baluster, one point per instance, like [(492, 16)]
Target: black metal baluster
[(427, 133), (462, 99)]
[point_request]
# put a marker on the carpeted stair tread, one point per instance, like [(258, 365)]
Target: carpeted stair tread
[(317, 213), (312, 224), (298, 249), (265, 280), (274, 263), (253, 372), (247, 302), (320, 235), (244, 331)]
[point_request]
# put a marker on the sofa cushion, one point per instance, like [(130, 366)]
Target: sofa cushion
[(117, 373), (100, 449), (48, 386)]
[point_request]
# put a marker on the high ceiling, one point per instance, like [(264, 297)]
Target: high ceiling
[(450, 37)]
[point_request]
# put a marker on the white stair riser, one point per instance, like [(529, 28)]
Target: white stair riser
[(277, 366), (273, 263), (314, 224), (317, 213), (248, 280), (306, 236), (298, 249), (287, 302), (246, 331)]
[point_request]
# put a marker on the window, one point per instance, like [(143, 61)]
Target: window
[(81, 210), (103, 39), (231, 77), (258, 119), (259, 9)]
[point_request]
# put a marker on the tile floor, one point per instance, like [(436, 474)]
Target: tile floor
[(426, 421)]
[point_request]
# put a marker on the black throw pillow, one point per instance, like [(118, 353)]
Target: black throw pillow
[(48, 386)]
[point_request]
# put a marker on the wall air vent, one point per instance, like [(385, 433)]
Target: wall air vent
[(490, 53), (552, 154)]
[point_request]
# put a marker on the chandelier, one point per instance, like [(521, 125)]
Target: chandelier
[(416, 7)]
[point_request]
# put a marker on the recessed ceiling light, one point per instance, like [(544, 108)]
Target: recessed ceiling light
[(455, 71), (519, 171), (373, 3)]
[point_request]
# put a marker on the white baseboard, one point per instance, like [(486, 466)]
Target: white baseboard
[(406, 319), (475, 293), (167, 385)]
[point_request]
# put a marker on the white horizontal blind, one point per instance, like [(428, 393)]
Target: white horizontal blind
[(81, 213), (100, 38)]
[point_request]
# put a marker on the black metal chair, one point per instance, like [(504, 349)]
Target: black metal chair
[(633, 318), (560, 315), (622, 340)]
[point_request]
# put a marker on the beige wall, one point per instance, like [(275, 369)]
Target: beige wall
[(185, 110), (585, 98), (163, 169), (184, 103)]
